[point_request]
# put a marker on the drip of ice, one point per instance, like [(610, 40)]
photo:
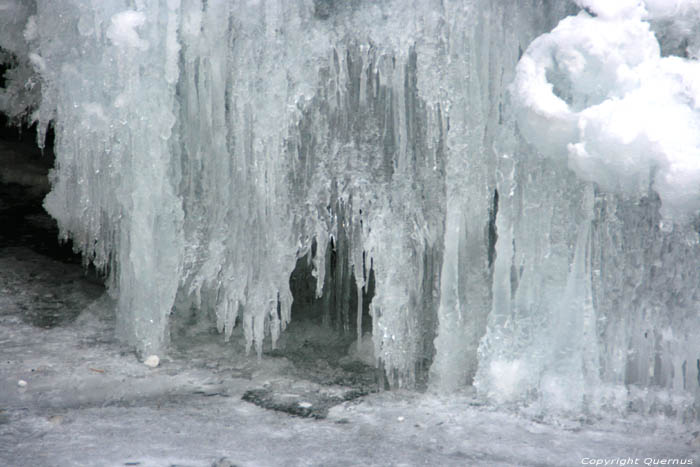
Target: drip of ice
[(531, 230)]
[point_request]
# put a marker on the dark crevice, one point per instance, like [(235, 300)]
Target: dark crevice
[(337, 306), (492, 232), (27, 229), (23, 185)]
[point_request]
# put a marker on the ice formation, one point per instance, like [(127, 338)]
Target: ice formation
[(531, 230), (626, 116)]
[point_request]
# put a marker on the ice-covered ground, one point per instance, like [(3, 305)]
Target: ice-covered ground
[(89, 401)]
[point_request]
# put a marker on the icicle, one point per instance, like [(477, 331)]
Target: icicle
[(359, 317)]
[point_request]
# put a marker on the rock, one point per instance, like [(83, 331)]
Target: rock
[(224, 462), (152, 361)]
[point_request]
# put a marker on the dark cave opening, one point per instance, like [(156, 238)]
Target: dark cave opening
[(30, 237), (337, 306), (321, 340), (24, 169)]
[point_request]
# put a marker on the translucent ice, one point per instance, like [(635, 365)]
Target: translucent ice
[(122, 30)]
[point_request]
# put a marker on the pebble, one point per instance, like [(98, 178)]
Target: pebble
[(21, 383), (400, 419), (152, 361)]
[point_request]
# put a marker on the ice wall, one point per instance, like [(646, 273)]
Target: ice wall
[(306, 126), (540, 219), (596, 278), (275, 123)]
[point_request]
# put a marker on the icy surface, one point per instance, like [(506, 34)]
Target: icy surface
[(519, 191), (88, 401)]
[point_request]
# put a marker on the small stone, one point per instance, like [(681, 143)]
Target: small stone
[(21, 383), (152, 361), (400, 419), (224, 462)]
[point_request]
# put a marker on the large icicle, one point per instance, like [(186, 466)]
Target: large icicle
[(113, 102), (483, 47)]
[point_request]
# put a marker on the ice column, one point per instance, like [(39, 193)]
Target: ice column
[(108, 76), (483, 43)]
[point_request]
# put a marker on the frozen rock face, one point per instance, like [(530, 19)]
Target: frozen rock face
[(531, 230)]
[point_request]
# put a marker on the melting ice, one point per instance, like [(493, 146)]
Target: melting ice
[(518, 182)]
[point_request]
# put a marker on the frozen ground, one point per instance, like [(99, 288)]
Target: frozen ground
[(88, 401)]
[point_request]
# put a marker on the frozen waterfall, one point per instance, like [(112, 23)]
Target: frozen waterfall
[(519, 182)]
